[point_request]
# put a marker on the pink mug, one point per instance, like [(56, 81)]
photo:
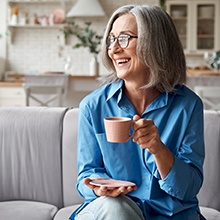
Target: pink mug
[(117, 129)]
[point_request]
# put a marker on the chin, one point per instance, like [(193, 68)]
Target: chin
[(122, 75)]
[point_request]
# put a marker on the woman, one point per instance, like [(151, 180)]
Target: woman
[(165, 157)]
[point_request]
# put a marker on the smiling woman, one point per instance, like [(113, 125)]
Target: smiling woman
[(147, 86)]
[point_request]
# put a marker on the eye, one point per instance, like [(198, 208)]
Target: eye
[(122, 37)]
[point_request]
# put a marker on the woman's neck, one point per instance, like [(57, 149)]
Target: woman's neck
[(141, 98)]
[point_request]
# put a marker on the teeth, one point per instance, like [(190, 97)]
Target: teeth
[(122, 61)]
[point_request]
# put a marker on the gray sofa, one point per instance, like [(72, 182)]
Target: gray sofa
[(38, 164)]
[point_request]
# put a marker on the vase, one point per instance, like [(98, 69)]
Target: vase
[(2, 69), (67, 65), (94, 66)]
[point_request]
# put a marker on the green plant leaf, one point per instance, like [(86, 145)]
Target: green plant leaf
[(86, 36)]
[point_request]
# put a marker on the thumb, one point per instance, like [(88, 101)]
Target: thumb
[(136, 118), (86, 181)]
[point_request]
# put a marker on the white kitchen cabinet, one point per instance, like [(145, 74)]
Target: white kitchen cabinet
[(12, 96), (197, 23)]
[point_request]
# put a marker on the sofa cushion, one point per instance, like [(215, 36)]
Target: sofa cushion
[(30, 154), (26, 210), (210, 214), (65, 213)]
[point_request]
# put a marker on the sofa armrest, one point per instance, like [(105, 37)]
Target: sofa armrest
[(69, 157), (30, 154), (209, 193)]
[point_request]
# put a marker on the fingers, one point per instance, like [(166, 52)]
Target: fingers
[(142, 127), (99, 190), (145, 133), (141, 122), (105, 191), (112, 192), (125, 190), (119, 191)]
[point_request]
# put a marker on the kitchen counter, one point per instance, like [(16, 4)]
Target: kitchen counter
[(202, 77), (79, 83), (17, 79), (20, 77), (200, 72), (11, 84), (80, 86)]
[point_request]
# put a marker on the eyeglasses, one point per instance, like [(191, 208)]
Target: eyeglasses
[(122, 40)]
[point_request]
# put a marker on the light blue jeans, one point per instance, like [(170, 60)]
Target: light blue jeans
[(108, 208)]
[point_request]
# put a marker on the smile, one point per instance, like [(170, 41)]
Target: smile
[(121, 61)]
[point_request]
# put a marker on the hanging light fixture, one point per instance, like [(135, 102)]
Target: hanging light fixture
[(86, 8)]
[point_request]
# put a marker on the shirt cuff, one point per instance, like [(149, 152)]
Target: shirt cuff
[(175, 182)]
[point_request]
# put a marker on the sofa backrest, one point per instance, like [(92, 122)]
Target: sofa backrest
[(30, 154), (69, 157), (32, 140), (209, 193)]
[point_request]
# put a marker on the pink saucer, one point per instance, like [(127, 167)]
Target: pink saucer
[(111, 183)]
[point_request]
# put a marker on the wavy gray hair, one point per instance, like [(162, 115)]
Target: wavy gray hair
[(158, 46)]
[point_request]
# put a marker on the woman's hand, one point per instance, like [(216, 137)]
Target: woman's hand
[(147, 136), (104, 191)]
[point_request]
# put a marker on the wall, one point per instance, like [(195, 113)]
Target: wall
[(37, 50)]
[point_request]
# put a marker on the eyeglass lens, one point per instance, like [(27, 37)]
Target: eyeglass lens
[(122, 40)]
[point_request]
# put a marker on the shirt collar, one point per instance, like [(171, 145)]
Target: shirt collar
[(115, 87), (159, 102), (163, 99)]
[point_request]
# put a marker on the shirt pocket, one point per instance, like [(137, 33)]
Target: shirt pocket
[(121, 160), (110, 147)]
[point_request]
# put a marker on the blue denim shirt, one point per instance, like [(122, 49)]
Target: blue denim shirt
[(179, 118)]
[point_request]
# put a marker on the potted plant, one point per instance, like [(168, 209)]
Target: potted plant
[(215, 60), (2, 58), (163, 4), (88, 38)]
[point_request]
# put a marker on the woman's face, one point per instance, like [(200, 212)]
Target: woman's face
[(127, 64)]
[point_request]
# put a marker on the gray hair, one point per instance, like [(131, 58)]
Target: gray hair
[(158, 46)]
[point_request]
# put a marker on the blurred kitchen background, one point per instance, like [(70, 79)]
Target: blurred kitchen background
[(33, 41), (31, 47)]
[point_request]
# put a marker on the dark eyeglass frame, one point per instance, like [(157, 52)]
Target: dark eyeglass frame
[(111, 39)]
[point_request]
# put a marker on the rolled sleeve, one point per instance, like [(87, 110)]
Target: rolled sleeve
[(183, 181)]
